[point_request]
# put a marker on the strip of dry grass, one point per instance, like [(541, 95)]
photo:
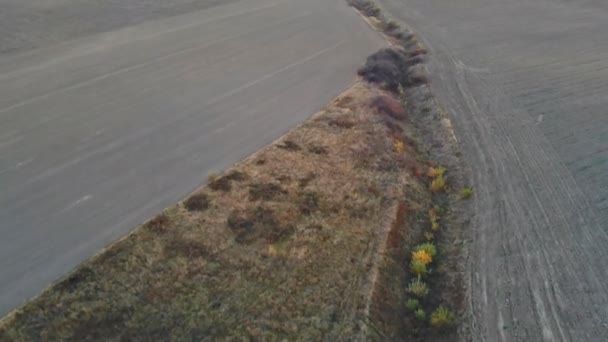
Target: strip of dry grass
[(286, 244)]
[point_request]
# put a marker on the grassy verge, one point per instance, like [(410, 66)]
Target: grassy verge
[(285, 244)]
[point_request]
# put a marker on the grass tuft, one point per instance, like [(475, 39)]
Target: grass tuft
[(399, 147), (435, 173), (466, 193), (418, 288), (434, 218), (438, 184), (442, 317)]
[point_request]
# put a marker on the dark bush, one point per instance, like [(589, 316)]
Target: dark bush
[(387, 67), (220, 184), (197, 202), (223, 183)]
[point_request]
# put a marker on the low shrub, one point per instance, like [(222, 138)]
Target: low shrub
[(412, 304), (438, 184), (386, 67), (434, 173), (427, 247), (417, 74), (434, 226), (442, 317), (418, 288), (418, 267), (422, 256), (391, 25), (420, 314), (197, 202), (389, 106)]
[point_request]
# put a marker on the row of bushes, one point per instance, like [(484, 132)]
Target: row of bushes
[(396, 70)]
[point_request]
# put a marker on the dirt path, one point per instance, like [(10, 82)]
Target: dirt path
[(525, 84)]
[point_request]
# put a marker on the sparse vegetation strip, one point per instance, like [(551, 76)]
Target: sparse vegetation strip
[(430, 304)]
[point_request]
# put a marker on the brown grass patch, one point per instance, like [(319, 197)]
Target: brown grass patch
[(342, 123), (259, 223), (317, 150), (265, 191), (344, 101), (224, 182), (309, 202), (303, 182), (159, 224)]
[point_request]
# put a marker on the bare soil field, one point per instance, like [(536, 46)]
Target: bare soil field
[(30, 24)]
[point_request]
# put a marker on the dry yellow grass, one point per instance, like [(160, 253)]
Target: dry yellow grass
[(281, 245)]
